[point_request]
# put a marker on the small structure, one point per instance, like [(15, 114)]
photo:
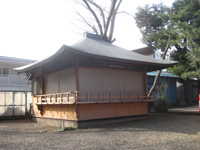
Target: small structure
[(193, 92), (10, 81), (91, 80), (175, 91), (170, 80), (148, 52), (15, 90)]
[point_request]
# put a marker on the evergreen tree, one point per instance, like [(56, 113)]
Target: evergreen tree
[(187, 47), (156, 27), (187, 52), (179, 29), (154, 24)]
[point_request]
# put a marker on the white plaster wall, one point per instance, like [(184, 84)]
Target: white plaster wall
[(99, 80), (60, 82)]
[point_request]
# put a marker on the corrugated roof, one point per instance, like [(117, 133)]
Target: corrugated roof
[(163, 74), (93, 46), (16, 59)]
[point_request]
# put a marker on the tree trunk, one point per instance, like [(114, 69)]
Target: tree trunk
[(159, 72), (198, 89), (187, 92)]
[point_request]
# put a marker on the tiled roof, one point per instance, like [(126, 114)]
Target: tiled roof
[(93, 46)]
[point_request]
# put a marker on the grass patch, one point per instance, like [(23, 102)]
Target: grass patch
[(66, 129)]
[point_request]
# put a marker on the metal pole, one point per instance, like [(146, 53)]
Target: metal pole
[(13, 105), (26, 103)]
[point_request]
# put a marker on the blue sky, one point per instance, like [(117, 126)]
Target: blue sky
[(35, 29)]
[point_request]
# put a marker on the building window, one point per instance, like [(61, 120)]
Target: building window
[(4, 72)]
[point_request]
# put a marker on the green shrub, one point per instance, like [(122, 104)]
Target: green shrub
[(161, 101), (161, 104)]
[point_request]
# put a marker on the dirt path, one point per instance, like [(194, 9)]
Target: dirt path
[(158, 131)]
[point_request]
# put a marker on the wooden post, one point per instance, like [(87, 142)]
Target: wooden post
[(55, 98), (50, 100), (120, 96), (154, 96), (76, 96), (60, 98), (88, 98), (77, 73), (99, 97), (42, 85), (146, 79), (139, 96), (67, 97), (130, 96)]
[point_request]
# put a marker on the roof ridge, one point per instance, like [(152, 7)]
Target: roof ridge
[(91, 35)]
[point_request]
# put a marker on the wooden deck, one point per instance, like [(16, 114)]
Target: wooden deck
[(93, 97)]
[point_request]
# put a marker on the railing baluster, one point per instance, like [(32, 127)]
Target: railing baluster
[(88, 97), (76, 96), (130, 96), (67, 97), (146, 96), (55, 99), (138, 95), (99, 97)]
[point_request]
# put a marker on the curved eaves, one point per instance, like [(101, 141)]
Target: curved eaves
[(34, 65)]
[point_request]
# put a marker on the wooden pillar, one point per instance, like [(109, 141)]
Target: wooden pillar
[(77, 73), (99, 97), (146, 82), (77, 85), (88, 97)]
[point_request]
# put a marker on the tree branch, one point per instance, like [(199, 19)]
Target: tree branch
[(94, 15), (118, 5), (124, 12), (101, 11), (92, 27), (112, 7), (113, 22)]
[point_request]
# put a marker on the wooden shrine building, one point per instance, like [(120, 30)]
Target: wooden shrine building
[(90, 80)]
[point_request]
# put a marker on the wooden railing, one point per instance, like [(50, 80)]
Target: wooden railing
[(94, 97)]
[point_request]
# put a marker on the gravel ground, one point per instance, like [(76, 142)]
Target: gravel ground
[(158, 131)]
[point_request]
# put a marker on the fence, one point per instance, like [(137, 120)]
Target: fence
[(94, 97), (14, 104), (14, 80)]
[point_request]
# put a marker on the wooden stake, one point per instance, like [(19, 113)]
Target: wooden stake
[(99, 97), (88, 98)]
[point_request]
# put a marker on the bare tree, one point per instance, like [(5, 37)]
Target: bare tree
[(104, 20)]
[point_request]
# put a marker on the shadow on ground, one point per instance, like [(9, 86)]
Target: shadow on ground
[(160, 122)]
